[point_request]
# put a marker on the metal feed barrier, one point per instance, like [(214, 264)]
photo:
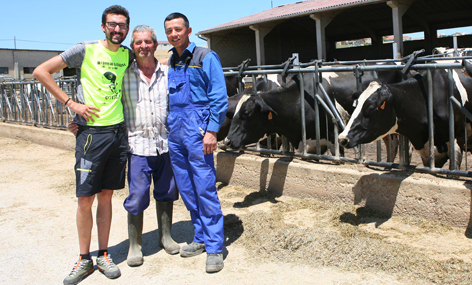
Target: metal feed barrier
[(30, 103), (411, 62)]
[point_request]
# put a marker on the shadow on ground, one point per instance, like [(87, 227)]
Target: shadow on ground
[(182, 232)]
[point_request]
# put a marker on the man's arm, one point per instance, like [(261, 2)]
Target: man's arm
[(216, 91), (43, 73), (218, 97)]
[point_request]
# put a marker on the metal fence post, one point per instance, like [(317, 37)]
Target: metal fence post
[(296, 66), (359, 75), (452, 157), (430, 119)]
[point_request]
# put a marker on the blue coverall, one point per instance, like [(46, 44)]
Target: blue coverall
[(197, 103)]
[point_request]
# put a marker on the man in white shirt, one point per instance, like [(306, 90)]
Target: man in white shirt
[(145, 109)]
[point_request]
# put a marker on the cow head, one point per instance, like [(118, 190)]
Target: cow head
[(373, 118), (250, 123)]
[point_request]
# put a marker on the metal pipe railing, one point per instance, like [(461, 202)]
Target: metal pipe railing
[(317, 68), (29, 102)]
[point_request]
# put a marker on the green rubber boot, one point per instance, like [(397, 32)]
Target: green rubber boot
[(164, 223), (135, 233)]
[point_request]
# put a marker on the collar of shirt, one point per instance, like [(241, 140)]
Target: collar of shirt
[(189, 49), (134, 66)]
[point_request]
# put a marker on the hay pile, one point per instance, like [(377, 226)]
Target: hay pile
[(315, 233)]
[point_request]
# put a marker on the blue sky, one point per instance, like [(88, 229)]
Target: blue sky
[(57, 25)]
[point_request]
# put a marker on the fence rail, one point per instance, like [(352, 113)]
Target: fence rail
[(29, 102), (358, 68)]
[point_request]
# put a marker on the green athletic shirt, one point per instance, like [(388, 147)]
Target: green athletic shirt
[(100, 76)]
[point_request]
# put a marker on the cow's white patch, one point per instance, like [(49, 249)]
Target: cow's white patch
[(311, 145), (440, 50), (460, 87), (373, 86), (328, 75), (263, 137), (273, 81), (344, 114), (424, 154), (241, 101), (457, 154)]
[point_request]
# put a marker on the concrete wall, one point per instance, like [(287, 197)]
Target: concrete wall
[(235, 47), (50, 137), (389, 192)]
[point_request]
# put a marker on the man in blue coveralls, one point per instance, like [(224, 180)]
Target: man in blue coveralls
[(197, 107)]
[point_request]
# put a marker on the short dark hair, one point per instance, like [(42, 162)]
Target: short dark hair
[(115, 9), (177, 15)]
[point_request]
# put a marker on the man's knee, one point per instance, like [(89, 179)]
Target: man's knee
[(85, 202), (105, 195)]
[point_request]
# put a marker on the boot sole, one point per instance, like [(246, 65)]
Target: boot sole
[(80, 280), (110, 276), (214, 269), (171, 251)]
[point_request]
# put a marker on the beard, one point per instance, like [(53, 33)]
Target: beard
[(112, 39), (145, 53)]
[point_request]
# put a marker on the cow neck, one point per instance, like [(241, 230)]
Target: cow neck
[(413, 121), (282, 99), (286, 103)]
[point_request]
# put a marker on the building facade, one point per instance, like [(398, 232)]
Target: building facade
[(18, 64)]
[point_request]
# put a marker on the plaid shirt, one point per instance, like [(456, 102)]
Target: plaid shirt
[(145, 110)]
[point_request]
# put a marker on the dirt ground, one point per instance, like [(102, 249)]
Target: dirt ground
[(269, 240)]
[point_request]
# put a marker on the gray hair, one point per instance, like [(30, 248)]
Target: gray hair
[(143, 28)]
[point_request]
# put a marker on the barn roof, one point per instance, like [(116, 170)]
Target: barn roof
[(301, 8)]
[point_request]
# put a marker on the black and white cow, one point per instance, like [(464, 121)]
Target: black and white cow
[(275, 111), (339, 87), (342, 87), (402, 108), (232, 83)]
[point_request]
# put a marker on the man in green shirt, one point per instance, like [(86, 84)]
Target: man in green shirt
[(101, 142)]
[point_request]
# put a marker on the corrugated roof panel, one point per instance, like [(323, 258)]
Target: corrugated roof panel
[(289, 10)]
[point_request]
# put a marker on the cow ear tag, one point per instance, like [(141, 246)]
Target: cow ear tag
[(383, 105), (270, 116)]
